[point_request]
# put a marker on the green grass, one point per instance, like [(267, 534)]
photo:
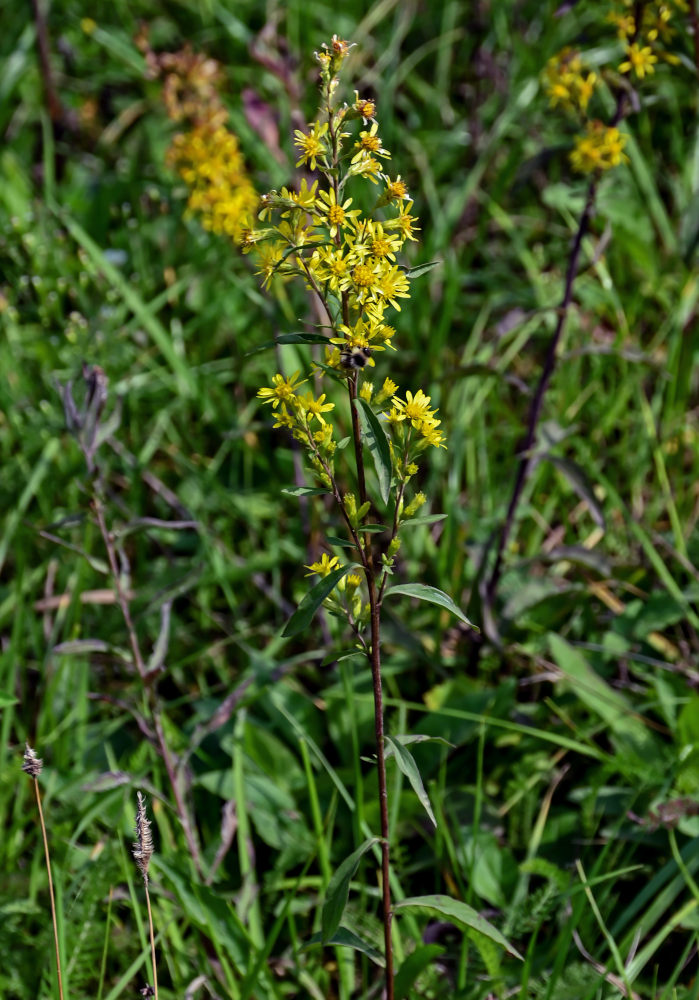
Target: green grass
[(565, 743)]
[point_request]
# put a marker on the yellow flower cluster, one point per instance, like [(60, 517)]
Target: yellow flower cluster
[(415, 409), (567, 81), (207, 156), (350, 260), (571, 85), (209, 161), (601, 147)]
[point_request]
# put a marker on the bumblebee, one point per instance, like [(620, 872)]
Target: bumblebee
[(355, 358)]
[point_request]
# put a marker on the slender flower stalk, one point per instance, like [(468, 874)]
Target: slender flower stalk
[(142, 852), (32, 766)]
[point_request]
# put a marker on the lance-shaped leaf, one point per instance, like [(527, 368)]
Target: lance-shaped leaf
[(302, 617), (338, 890), (461, 913), (375, 437), (424, 593), (406, 762), (347, 939)]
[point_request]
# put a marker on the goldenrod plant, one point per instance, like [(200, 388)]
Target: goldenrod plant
[(350, 260)]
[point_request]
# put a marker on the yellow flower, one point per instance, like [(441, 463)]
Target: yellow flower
[(387, 390), (639, 59), (315, 407), (381, 244), (600, 148), (369, 143), (363, 107), (396, 190), (392, 284), (367, 167), (432, 435), (404, 222), (334, 215), (625, 24), (311, 146), (283, 390), (415, 408), (283, 418), (566, 82), (331, 266), (364, 278), (324, 567), (305, 197)]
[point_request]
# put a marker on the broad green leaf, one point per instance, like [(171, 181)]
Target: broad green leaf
[(424, 593), (347, 939), (462, 913), (406, 762), (338, 890), (412, 967), (375, 437), (7, 699), (302, 617)]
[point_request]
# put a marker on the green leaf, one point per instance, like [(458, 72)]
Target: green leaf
[(375, 437), (343, 543), (413, 966), (302, 617), (347, 939), (422, 738), (431, 594), (462, 913), (417, 272), (427, 519), (304, 491), (626, 728), (406, 762), (289, 338), (338, 890)]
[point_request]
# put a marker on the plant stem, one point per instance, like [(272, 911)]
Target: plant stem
[(374, 656), (526, 457), (375, 660), (51, 895), (152, 942)]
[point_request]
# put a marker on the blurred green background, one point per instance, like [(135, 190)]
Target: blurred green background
[(573, 740)]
